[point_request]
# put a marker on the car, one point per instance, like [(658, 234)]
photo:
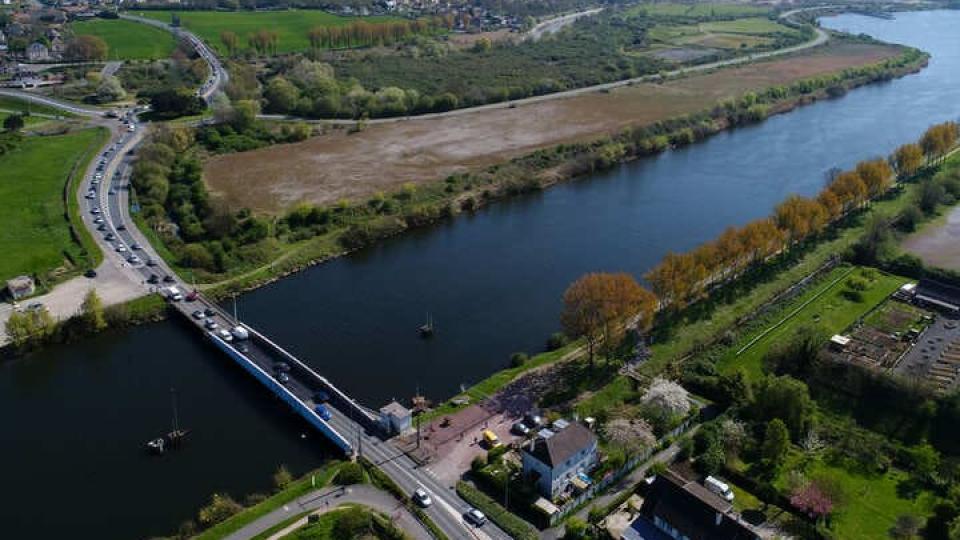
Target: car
[(153, 279), (102, 227), (151, 262), (109, 237), (421, 497), (168, 279), (97, 176), (94, 210), (135, 246), (121, 226), (475, 517), (321, 410), (321, 397), (519, 428), (209, 312), (283, 378), (532, 420), (243, 348), (197, 315), (211, 324), (34, 306), (225, 335), (91, 273), (121, 248), (281, 367), (98, 220), (111, 191), (90, 195), (133, 259), (192, 295)]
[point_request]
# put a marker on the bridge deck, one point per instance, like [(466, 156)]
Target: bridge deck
[(260, 357)]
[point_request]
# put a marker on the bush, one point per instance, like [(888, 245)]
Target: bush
[(510, 523), (349, 474), (557, 340), (518, 359)]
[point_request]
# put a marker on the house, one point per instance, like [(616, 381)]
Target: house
[(395, 417), (555, 458), (37, 52), (676, 508), (20, 287)]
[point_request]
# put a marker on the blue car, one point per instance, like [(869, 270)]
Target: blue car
[(323, 412)]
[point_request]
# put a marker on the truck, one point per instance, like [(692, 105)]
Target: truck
[(718, 487), (240, 332)]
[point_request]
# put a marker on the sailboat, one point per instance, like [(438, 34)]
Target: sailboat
[(426, 329), (175, 437)]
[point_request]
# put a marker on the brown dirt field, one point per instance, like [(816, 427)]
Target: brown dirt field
[(336, 166)]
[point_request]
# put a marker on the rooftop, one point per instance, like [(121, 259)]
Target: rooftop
[(561, 445)]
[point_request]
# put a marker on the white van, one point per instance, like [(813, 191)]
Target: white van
[(718, 487)]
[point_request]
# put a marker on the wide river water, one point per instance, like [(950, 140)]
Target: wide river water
[(75, 418)]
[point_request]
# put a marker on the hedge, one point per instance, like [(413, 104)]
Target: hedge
[(510, 523)]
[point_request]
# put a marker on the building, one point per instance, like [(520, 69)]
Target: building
[(939, 296), (20, 287), (37, 52), (555, 459), (396, 418), (675, 508)]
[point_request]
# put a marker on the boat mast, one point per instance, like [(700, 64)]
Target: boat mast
[(176, 420)]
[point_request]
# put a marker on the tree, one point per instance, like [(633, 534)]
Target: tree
[(876, 175), (229, 40), (849, 189), (787, 399), (352, 522), (799, 217), (630, 435), (812, 501), (220, 508), (598, 305), (244, 114), (667, 396), (110, 89), (908, 159), (281, 95), (92, 312), (776, 442), (677, 279), (14, 122), (86, 48), (24, 329)]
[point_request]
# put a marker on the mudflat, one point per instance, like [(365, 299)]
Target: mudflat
[(383, 157)]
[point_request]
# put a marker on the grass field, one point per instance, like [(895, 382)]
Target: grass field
[(825, 307), (291, 26), (29, 121), (754, 25), (128, 40), (13, 104), (34, 232), (748, 32), (700, 10), (872, 504)]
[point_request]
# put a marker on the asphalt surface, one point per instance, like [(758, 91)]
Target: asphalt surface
[(554, 25)]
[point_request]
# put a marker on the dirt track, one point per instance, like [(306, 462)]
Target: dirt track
[(328, 168)]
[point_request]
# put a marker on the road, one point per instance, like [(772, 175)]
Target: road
[(72, 108), (554, 25), (218, 77), (325, 500)]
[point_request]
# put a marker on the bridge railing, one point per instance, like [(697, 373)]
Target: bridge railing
[(338, 398)]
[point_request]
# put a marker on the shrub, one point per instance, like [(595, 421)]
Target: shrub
[(511, 524), (349, 474), (557, 340), (518, 359)]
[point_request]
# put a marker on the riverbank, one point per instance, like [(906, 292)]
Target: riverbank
[(350, 226)]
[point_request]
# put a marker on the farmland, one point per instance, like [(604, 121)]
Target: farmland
[(699, 10), (34, 234), (291, 26), (128, 40), (327, 168)]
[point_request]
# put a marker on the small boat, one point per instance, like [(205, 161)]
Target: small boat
[(173, 438), (426, 329)]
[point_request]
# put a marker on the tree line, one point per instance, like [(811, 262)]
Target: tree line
[(599, 306), (681, 278), (365, 34)]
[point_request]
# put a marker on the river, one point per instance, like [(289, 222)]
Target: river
[(76, 416)]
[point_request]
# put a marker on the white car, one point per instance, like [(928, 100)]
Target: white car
[(225, 335), (121, 248), (422, 497), (475, 517)]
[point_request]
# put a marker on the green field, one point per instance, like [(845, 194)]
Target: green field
[(752, 26), (34, 233), (13, 104), (825, 307), (128, 40), (291, 26), (29, 121), (700, 10), (872, 504)]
